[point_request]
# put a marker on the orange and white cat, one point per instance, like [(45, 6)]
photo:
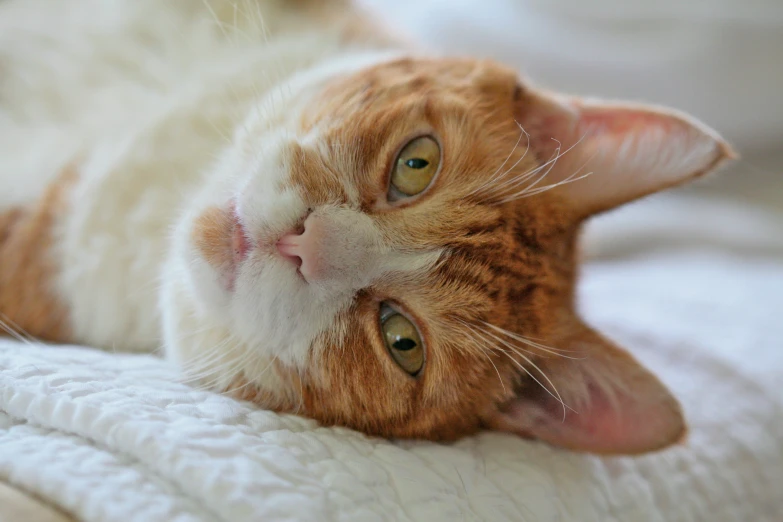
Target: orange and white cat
[(306, 212)]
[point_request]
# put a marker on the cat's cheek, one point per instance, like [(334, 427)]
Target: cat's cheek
[(206, 285)]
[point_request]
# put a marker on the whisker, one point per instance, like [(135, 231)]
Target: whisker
[(558, 155), (249, 382), (527, 149), (13, 333), (521, 178), (495, 176), (209, 374), (220, 374), (496, 371), (206, 363), (474, 336), (515, 349), (527, 192), (516, 181), (17, 332), (548, 349), (555, 395)]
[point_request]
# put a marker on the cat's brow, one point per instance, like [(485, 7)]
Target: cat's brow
[(496, 175)]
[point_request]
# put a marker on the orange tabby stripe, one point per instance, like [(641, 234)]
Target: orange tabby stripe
[(28, 300)]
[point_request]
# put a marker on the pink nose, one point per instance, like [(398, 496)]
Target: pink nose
[(303, 249)]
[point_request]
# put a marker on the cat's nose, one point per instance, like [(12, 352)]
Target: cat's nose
[(336, 250), (303, 248)]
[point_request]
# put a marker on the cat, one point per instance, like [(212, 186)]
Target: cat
[(304, 210)]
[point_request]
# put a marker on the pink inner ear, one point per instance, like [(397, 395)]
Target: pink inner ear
[(628, 150), (598, 426), (614, 405)]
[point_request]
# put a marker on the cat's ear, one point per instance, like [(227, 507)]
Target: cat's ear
[(624, 151), (601, 401)]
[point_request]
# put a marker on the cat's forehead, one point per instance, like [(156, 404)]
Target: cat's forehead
[(457, 75), (350, 132), (410, 84)]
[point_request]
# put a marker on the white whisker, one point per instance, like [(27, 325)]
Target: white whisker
[(495, 175), (17, 332), (533, 344), (527, 192), (503, 188), (474, 336), (555, 394)]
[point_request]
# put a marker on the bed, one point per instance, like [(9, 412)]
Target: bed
[(692, 283), (105, 437)]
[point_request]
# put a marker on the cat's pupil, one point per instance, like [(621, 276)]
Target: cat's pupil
[(416, 163), (404, 344)]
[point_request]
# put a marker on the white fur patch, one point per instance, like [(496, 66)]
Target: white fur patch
[(171, 111)]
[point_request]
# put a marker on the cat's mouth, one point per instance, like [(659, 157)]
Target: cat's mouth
[(240, 243), (223, 240)]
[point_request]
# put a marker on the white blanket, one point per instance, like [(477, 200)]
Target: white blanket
[(114, 437)]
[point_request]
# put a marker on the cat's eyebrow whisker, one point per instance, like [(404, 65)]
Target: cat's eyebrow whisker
[(555, 394), (495, 176), (549, 165), (526, 192), (475, 337), (526, 340), (496, 371), (544, 348), (475, 333), (511, 169), (516, 181)]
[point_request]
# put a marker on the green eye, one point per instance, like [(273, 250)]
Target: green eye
[(402, 340), (416, 166)]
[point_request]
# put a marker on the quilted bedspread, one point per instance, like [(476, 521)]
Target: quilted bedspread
[(113, 437)]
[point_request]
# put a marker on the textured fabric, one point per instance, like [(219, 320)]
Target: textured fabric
[(115, 437)]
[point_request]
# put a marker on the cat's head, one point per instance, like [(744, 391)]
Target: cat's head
[(393, 248)]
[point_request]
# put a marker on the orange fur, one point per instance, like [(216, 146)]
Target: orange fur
[(496, 312), (212, 236), (512, 265), (28, 302)]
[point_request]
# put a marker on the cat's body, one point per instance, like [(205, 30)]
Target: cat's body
[(132, 135), (141, 126)]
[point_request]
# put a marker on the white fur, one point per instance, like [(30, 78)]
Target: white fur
[(168, 111)]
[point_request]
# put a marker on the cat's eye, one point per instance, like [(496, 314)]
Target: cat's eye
[(402, 340), (415, 168)]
